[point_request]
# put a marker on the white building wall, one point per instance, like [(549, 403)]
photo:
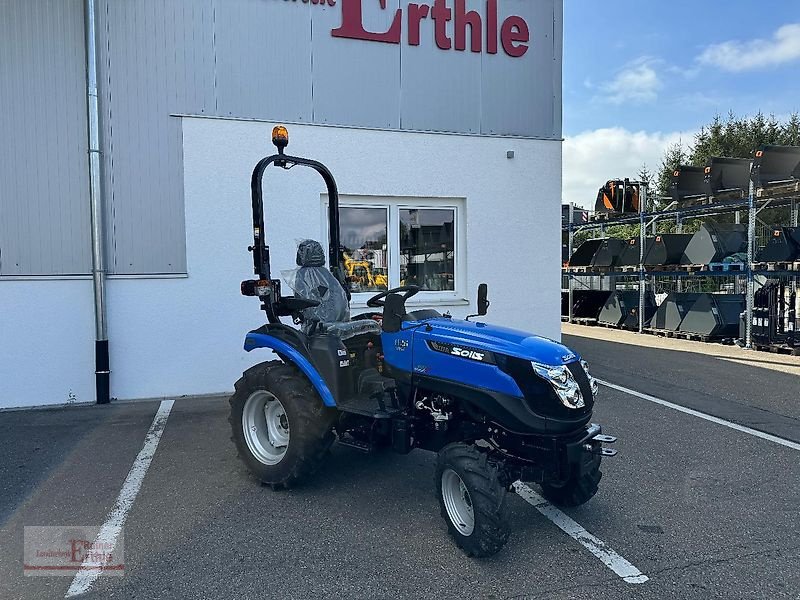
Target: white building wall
[(183, 336)]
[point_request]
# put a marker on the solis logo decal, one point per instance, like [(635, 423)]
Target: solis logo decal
[(461, 352), (454, 27)]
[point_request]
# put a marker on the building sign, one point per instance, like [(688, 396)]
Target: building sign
[(513, 34)]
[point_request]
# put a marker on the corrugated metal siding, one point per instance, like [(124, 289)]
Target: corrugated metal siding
[(519, 96), (157, 59), (44, 205), (353, 86), (440, 90), (263, 53)]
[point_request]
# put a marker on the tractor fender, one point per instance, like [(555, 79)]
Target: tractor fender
[(289, 353)]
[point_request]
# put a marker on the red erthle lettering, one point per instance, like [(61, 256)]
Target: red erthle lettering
[(514, 33)]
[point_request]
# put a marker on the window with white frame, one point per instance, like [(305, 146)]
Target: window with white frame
[(391, 242)]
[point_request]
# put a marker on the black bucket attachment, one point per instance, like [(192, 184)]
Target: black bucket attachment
[(783, 246), (688, 185), (618, 196), (608, 253), (714, 315), (673, 309), (668, 249), (583, 255), (728, 176), (713, 242), (630, 253), (774, 165), (621, 309), (586, 304)]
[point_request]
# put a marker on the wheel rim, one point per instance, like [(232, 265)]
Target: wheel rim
[(266, 427), (458, 502)]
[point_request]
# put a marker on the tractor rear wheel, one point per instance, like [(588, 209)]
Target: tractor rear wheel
[(576, 490), (472, 499), (280, 426)]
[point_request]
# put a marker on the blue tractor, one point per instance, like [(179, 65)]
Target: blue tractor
[(497, 405)]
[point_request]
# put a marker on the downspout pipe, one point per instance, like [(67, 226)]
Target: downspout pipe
[(101, 357)]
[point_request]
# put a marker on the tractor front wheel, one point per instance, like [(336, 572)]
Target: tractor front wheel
[(280, 426), (472, 499)]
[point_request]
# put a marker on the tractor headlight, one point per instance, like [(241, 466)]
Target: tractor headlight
[(563, 383), (592, 380)]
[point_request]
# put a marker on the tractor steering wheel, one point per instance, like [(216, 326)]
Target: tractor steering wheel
[(377, 301)]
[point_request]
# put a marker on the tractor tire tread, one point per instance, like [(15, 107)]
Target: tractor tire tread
[(311, 428), (483, 480)]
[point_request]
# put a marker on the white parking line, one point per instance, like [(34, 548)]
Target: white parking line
[(696, 413), (110, 530), (593, 544)]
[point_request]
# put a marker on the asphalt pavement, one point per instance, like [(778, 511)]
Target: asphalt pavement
[(703, 510)]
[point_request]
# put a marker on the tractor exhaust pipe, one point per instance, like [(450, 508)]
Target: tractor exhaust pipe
[(101, 359)]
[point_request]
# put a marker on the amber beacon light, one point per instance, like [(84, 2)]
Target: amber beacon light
[(280, 137)]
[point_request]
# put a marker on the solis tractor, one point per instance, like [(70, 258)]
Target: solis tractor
[(497, 405)]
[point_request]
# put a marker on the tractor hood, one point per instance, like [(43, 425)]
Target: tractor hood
[(502, 340)]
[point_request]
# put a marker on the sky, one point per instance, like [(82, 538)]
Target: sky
[(639, 76)]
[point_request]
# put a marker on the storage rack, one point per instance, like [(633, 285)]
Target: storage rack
[(753, 201)]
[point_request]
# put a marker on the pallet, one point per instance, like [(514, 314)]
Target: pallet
[(629, 269), (776, 266), (694, 268), (780, 190), (589, 321), (732, 266), (579, 269), (667, 333), (664, 268), (693, 337), (778, 349), (607, 325)]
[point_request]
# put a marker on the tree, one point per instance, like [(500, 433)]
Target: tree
[(732, 136)]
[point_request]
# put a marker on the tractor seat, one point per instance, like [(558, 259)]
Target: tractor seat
[(313, 281)]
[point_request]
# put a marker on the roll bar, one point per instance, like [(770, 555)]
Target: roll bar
[(260, 249)]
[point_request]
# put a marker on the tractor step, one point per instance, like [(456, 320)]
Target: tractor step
[(368, 406), (606, 439), (350, 442)]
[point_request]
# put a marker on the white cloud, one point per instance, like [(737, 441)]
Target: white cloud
[(593, 157), (637, 82), (737, 56)]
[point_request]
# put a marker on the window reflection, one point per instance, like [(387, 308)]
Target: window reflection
[(427, 248), (365, 252)]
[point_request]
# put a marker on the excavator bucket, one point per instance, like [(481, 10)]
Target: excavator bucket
[(688, 185), (714, 242), (621, 309), (783, 246), (608, 253), (582, 257), (618, 196), (728, 176), (586, 304), (714, 315), (775, 165), (673, 309), (667, 249), (630, 253)]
